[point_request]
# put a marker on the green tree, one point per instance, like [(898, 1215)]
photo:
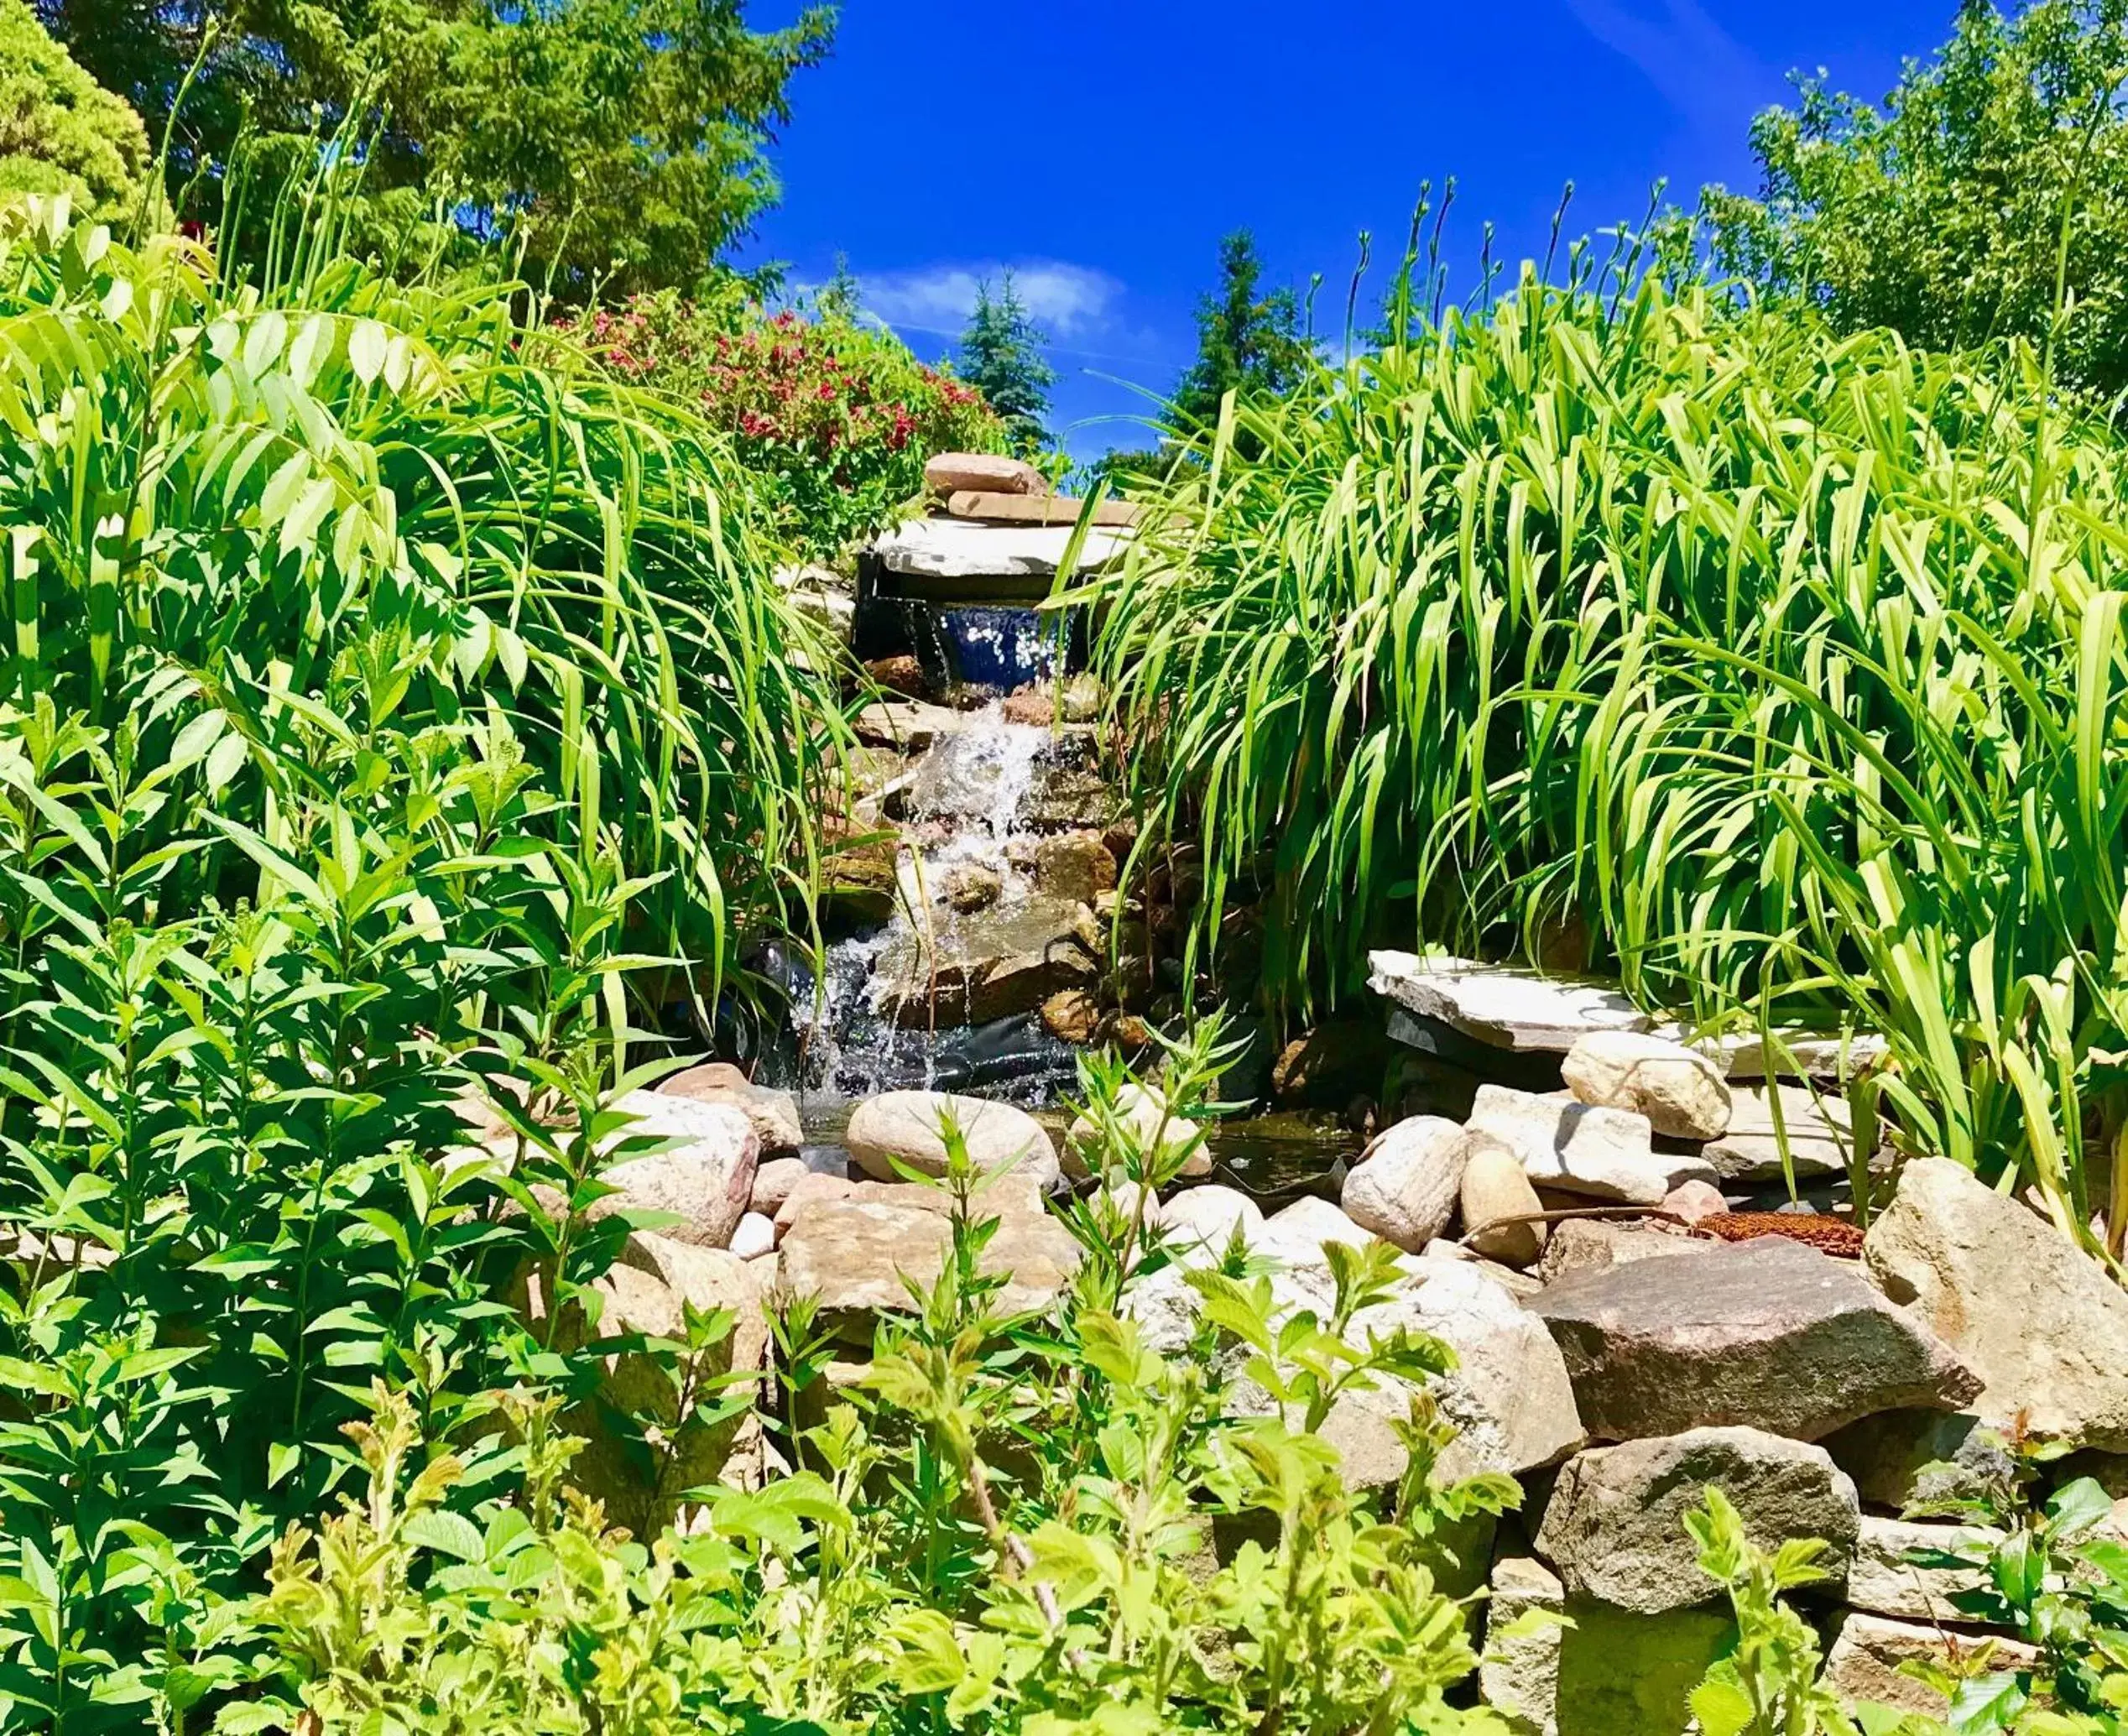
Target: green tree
[(60, 132), (621, 142), (1942, 216), (1248, 339), (1001, 357)]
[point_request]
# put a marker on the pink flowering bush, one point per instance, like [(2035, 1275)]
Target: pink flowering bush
[(833, 417)]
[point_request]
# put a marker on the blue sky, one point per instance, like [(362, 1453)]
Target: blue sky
[(1101, 149)]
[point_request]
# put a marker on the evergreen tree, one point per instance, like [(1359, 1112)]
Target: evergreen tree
[(838, 298), (1248, 341), (1001, 357), (59, 131)]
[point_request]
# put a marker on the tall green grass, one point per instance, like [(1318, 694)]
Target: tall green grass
[(244, 516), (1791, 667)]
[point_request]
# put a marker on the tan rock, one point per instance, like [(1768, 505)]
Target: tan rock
[(1692, 1201), (906, 1125), (971, 886), (1586, 1244), (705, 1181), (1862, 1664), (1493, 1188), (1681, 1092), (773, 1114), (983, 473), (1148, 1130), (1406, 1188), (1037, 509), (1075, 865), (1072, 1015)]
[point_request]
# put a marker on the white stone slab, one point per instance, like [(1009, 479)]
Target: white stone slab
[(1508, 1006), (956, 548)]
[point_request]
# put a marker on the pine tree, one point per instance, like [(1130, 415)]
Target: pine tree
[(838, 296), (1247, 341), (1001, 357)]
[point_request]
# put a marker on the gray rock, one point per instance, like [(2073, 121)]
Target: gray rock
[(2037, 1319), (705, 1180), (1507, 1006), (1602, 1154), (1156, 1130), (1817, 1129), (1899, 1568), (853, 1254), (905, 1125), (1296, 1234), (1792, 1054), (1601, 1671), (1614, 1528), (1680, 1090), (988, 964), (1594, 1244), (1862, 1663), (1767, 1333), (957, 548), (1405, 1188)]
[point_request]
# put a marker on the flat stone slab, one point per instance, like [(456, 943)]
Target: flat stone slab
[(1037, 509), (1818, 1130), (957, 549), (1506, 1006), (1767, 1333), (1792, 1054), (908, 724)]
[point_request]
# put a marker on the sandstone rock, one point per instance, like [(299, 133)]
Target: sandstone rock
[(1609, 1673), (1767, 1333), (1817, 1129), (905, 1125), (1901, 1568), (706, 1180), (1692, 1201), (1614, 1528), (1038, 509), (774, 1180), (1506, 1006), (1508, 1396), (853, 1255), (984, 473), (1405, 1188), (1604, 1154), (1680, 1090), (1200, 1222), (1495, 1190), (808, 1190), (756, 1236), (1591, 1244), (646, 1293), (1072, 1015), (1074, 865), (1146, 1120), (1899, 1458), (773, 1113), (987, 964), (1862, 1663), (2038, 1320), (972, 887)]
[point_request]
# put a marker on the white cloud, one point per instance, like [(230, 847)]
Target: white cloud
[(1067, 301)]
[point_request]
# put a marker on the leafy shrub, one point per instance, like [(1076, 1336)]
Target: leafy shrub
[(832, 418), (1009, 1525), (1786, 667), (377, 682), (60, 132)]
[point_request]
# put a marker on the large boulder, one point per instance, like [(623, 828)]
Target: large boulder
[(906, 1125), (1200, 1222), (773, 1114), (1508, 1396), (644, 1445), (1767, 1334), (854, 1253), (1599, 1672), (1296, 1234), (1680, 1090), (2036, 1319), (1157, 1129), (1815, 1128), (706, 1180), (1405, 1188), (1579, 1148), (1614, 1528)]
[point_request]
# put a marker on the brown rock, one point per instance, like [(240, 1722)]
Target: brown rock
[(1494, 1188), (971, 886), (1590, 1244), (1866, 1651), (1072, 1015), (1037, 509), (902, 675), (1075, 865), (1034, 705), (983, 473), (1767, 1334), (773, 1114)]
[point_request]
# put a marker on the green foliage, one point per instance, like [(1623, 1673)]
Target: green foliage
[(1001, 357), (830, 418), (1249, 340), (60, 132), (1012, 1525), (619, 143), (377, 682), (1788, 668), (1995, 177)]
